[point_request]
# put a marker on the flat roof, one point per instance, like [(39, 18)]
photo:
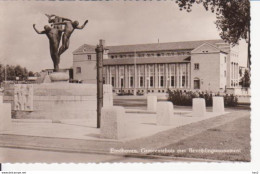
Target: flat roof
[(132, 61), (186, 45)]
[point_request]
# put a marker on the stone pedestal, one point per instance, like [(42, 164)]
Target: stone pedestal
[(151, 103), (59, 77), (5, 115), (57, 101), (107, 95), (218, 105), (164, 113), (112, 122), (198, 107)]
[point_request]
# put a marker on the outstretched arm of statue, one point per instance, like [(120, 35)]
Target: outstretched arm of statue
[(81, 27), (37, 31), (49, 16)]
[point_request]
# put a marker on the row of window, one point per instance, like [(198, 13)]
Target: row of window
[(150, 82), (141, 69), (149, 54), (196, 67)]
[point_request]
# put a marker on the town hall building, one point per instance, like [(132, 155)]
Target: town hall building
[(207, 65)]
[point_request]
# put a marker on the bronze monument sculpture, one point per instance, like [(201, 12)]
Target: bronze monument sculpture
[(54, 34)]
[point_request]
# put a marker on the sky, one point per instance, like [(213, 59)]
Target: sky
[(117, 22)]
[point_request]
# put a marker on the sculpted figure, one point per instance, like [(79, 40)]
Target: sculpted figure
[(68, 30), (54, 36)]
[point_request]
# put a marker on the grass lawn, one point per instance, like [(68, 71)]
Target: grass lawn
[(234, 135)]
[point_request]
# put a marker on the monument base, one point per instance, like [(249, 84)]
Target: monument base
[(59, 77), (58, 101)]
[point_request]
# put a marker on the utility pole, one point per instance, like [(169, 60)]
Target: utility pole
[(99, 53)]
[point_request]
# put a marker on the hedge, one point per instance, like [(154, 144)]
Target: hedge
[(184, 98)]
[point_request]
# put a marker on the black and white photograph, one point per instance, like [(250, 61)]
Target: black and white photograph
[(125, 81)]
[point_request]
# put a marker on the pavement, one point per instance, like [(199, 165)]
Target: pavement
[(99, 149), (138, 125), (79, 140)]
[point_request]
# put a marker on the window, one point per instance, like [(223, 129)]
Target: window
[(225, 59), (141, 75), (78, 70), (122, 82), (225, 73), (183, 81), (151, 81), (196, 83), (113, 81), (131, 81), (141, 81), (172, 81), (161, 81), (196, 66), (89, 57), (104, 80)]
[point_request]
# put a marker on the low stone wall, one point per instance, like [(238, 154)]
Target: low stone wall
[(58, 101)]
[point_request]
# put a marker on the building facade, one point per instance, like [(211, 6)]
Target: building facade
[(208, 65)]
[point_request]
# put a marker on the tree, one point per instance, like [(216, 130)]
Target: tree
[(2, 73), (233, 18), (13, 71), (246, 79), (31, 74)]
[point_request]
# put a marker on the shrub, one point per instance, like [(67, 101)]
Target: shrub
[(230, 101), (184, 98)]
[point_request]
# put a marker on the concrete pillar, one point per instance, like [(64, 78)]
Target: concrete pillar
[(198, 107), (156, 76), (113, 122), (180, 75), (218, 105), (107, 95), (126, 77), (145, 76), (166, 76), (164, 113), (135, 78), (5, 115), (189, 76), (177, 75), (151, 103), (116, 77)]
